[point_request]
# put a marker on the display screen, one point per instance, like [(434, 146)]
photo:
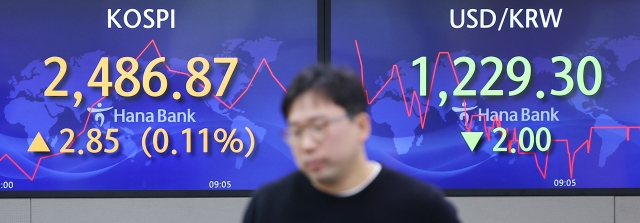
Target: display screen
[(499, 94), (185, 95), (148, 95)]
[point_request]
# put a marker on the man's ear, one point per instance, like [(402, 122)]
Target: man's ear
[(363, 123)]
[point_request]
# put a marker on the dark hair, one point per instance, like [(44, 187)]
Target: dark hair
[(341, 86)]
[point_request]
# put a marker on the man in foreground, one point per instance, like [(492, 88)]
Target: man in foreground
[(325, 110)]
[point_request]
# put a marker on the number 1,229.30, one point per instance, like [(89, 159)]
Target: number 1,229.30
[(524, 79)]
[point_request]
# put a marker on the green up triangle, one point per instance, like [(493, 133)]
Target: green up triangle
[(472, 139)]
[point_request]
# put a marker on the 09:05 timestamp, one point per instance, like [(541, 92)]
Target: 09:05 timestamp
[(564, 183), (6, 185), (220, 184)]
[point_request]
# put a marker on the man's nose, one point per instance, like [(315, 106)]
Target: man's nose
[(307, 142)]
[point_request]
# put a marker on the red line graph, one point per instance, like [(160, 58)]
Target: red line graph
[(486, 128), (414, 95), (264, 62)]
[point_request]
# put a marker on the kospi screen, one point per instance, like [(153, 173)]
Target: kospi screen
[(148, 95), (482, 95)]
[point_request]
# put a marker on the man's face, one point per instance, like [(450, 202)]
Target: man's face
[(325, 142)]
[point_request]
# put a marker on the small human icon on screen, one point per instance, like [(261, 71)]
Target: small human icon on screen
[(99, 116)]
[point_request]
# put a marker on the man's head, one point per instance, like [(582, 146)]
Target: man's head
[(325, 109)]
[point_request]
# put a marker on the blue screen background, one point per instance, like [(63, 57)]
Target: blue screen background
[(280, 34), (590, 144), (398, 32)]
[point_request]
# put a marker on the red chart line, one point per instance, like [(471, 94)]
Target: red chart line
[(408, 107), (263, 62), (486, 128)]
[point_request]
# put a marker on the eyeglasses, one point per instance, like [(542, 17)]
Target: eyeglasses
[(317, 130)]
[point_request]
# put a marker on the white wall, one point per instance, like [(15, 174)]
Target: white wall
[(597, 209)]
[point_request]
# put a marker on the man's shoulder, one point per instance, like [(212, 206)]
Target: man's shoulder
[(271, 200), (407, 184), (280, 186), (417, 196)]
